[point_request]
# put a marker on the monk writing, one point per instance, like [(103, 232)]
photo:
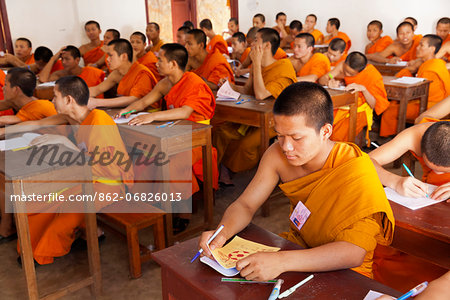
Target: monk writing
[(134, 79), (432, 69), (148, 59), (333, 26), (216, 41), (92, 52), (377, 43), (344, 227)]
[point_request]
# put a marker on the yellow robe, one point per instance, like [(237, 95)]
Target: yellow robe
[(359, 213)]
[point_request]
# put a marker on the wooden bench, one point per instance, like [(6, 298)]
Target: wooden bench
[(132, 223)]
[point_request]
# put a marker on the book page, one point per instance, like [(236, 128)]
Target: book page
[(411, 203), (225, 92), (408, 80), (127, 118), (18, 142)]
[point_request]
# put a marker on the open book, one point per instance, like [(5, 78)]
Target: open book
[(411, 203), (18, 142), (227, 256), (125, 119), (226, 93)]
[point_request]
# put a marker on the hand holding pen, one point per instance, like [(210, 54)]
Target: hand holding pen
[(212, 239)]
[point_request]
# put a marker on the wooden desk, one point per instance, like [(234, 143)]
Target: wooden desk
[(19, 178), (172, 141), (258, 113), (424, 233), (183, 280), (386, 70), (405, 93)]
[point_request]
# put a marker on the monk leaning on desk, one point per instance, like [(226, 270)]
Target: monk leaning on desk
[(52, 233), (367, 81), (216, 41), (346, 220), (211, 67), (402, 49), (23, 57), (92, 51), (70, 58), (237, 144), (148, 59), (336, 52), (187, 98), (432, 69), (134, 79)]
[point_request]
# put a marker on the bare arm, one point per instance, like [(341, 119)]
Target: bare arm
[(382, 57), (100, 62), (437, 111), (310, 78), (45, 75), (9, 120), (34, 125), (445, 49), (180, 113), (14, 61), (336, 72), (112, 102), (258, 83), (113, 79)]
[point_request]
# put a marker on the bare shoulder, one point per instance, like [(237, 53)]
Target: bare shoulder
[(164, 86), (114, 76)]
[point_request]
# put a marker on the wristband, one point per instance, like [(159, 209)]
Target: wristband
[(330, 75)]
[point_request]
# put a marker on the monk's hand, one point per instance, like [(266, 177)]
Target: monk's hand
[(218, 242), (333, 83), (354, 87), (141, 120), (442, 192), (411, 187), (385, 297), (222, 81), (261, 266), (394, 60), (2, 132), (419, 118), (122, 111), (50, 139), (256, 54)]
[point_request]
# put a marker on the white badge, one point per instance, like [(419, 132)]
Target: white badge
[(300, 215)]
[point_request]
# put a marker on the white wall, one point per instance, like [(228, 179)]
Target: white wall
[(57, 23), (353, 14)]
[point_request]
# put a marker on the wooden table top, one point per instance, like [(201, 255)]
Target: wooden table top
[(387, 80)]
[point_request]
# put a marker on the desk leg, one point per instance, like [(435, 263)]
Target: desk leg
[(93, 253), (208, 180), (424, 100), (263, 147), (352, 120)]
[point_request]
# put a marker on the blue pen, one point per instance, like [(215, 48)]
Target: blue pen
[(164, 125), (411, 174), (276, 290), (207, 243), (415, 291), (242, 101)]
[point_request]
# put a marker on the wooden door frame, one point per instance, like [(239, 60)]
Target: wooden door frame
[(234, 8), (4, 28)]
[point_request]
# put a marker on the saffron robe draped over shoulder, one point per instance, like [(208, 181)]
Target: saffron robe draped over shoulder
[(318, 65), (92, 76), (93, 55), (217, 42), (343, 36), (380, 45), (36, 110), (214, 67), (149, 60)]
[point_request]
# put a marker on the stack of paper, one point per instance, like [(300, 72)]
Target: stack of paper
[(411, 203), (19, 142), (226, 93), (408, 80), (50, 83), (398, 64), (125, 119), (227, 256)]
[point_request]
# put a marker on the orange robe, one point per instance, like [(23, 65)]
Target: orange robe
[(411, 53), (30, 60), (318, 65), (93, 55), (360, 216), (343, 58), (373, 81), (57, 66), (238, 144), (280, 54), (92, 76), (138, 82), (2, 83), (157, 47), (245, 54), (317, 35), (217, 42), (214, 67), (149, 60), (53, 233), (343, 36), (433, 70), (380, 45), (36, 110)]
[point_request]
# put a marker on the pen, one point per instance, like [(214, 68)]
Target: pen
[(207, 243), (276, 290), (411, 174), (242, 101), (128, 112), (292, 289), (174, 123), (375, 144), (243, 280), (165, 124), (415, 291)]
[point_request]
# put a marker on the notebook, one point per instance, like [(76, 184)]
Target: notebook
[(18, 142), (411, 203)]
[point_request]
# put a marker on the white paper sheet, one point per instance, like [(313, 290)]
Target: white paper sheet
[(399, 64), (411, 203), (372, 295), (18, 142), (50, 83), (408, 80), (246, 75), (125, 119), (226, 92), (215, 265)]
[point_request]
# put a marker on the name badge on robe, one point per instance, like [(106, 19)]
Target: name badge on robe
[(300, 215)]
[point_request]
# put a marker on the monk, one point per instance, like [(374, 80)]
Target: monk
[(361, 78), (344, 227), (211, 67), (134, 79), (240, 49), (18, 93), (42, 56), (432, 69), (333, 26), (250, 37), (70, 57), (189, 24), (181, 35), (413, 21), (152, 32), (310, 23), (443, 31), (110, 34), (295, 27), (309, 66), (92, 51), (336, 52), (7, 112), (187, 97), (233, 27), (377, 43), (281, 27), (259, 21), (216, 41), (238, 144), (402, 49), (52, 234), (148, 59), (23, 57), (429, 142)]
